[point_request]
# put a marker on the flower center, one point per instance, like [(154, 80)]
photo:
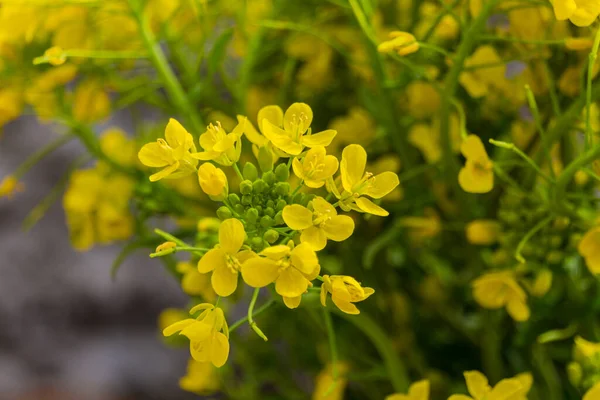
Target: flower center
[(284, 264), (217, 133), (233, 263), (367, 181), (321, 217)]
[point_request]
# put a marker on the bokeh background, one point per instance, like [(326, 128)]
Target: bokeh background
[(68, 331)]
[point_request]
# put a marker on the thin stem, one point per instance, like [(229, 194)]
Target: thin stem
[(258, 311), (538, 123), (97, 54), (332, 343), (297, 188), (168, 237), (40, 154), (197, 250), (588, 94), (566, 176), (251, 322), (527, 159), (539, 226), (238, 172)]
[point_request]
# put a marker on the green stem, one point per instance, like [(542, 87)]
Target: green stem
[(527, 159), (40, 154), (98, 54), (259, 310), (567, 175), (168, 237), (251, 322), (332, 343), (588, 94), (238, 172), (539, 226), (538, 123), (197, 250)]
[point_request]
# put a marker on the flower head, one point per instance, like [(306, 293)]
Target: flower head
[(226, 258), (328, 387), (172, 154), (291, 268), (9, 186), (477, 175), (482, 231), (194, 283), (345, 290), (201, 378), (403, 43), (579, 12), (507, 389), (219, 146), (316, 167), (208, 334), (489, 71), (318, 225), (213, 181), (295, 134), (589, 248), (417, 391), (500, 289), (55, 55), (91, 102)]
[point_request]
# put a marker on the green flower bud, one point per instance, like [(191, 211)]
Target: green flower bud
[(562, 222), (281, 203), (259, 186), (282, 188), (279, 218), (269, 178), (509, 217), (266, 221), (224, 213), (239, 208), (234, 199), (246, 187), (282, 173), (270, 211), (555, 241), (555, 257), (252, 214), (247, 199), (250, 172), (257, 243), (259, 209), (265, 159), (270, 203), (575, 373), (271, 236)]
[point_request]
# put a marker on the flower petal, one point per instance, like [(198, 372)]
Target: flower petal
[(165, 172), (477, 384), (298, 116), (252, 134), (593, 393), (219, 351), (472, 148), (273, 114), (505, 389), (304, 258), (338, 228), (224, 280), (419, 390), (352, 167), (214, 258), (382, 184), (231, 235), (368, 206), (178, 326), (518, 309), (291, 283), (259, 271), (281, 139), (297, 217), (319, 139), (315, 237), (345, 305), (176, 134), (155, 155), (292, 302), (473, 181)]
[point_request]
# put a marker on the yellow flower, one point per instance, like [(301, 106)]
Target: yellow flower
[(165, 246), (169, 316), (201, 378), (489, 71), (345, 290), (500, 289), (423, 100), (91, 102), (417, 391), (589, 248), (9, 186), (579, 12), (194, 283), (55, 55), (356, 183), (593, 393), (318, 225), (115, 143), (316, 167), (482, 231), (542, 283), (213, 181), (425, 227), (426, 137), (328, 388), (173, 155), (578, 43), (219, 146), (226, 258), (507, 389), (291, 268), (585, 348), (11, 104), (208, 334), (272, 114), (477, 175), (403, 43), (296, 132), (355, 127)]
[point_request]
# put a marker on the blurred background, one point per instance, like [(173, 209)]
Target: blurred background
[(68, 330)]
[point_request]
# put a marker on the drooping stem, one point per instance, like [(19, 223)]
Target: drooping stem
[(259, 310), (251, 322)]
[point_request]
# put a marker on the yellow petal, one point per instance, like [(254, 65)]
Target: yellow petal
[(214, 258), (319, 139), (291, 283), (178, 326), (590, 243), (593, 393), (315, 237), (292, 302), (323, 295), (224, 280), (563, 9), (252, 134), (273, 114), (219, 351), (227, 143), (459, 397), (382, 184), (281, 139), (419, 390), (298, 170), (489, 292), (276, 252), (472, 148), (338, 228), (505, 389), (477, 384), (526, 380), (165, 172), (518, 309), (320, 205), (304, 258), (345, 305), (354, 160), (297, 217), (297, 117), (398, 396), (475, 182), (259, 271), (368, 206), (231, 235), (155, 155), (176, 134)]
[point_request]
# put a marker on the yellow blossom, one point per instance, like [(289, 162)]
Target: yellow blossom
[(316, 167), (329, 388), (291, 268), (417, 391), (194, 283), (208, 334), (477, 175), (296, 132), (165, 246), (11, 104), (173, 155), (116, 145), (423, 99), (345, 291), (578, 44), (169, 316), (213, 181), (9, 186), (500, 289), (482, 231), (425, 227), (488, 70), (403, 43), (91, 102), (507, 389), (55, 55), (318, 225), (201, 378), (226, 258), (585, 348), (355, 127), (589, 248), (426, 137), (356, 183), (579, 12), (219, 146), (593, 393)]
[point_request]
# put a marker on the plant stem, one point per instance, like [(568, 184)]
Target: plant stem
[(332, 342), (529, 235), (169, 237), (588, 93), (259, 310), (566, 176), (251, 322), (511, 146)]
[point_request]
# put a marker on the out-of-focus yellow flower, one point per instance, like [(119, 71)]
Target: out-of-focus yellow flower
[(356, 183), (403, 43), (427, 138), (585, 348), (482, 231), (521, 133), (213, 181), (173, 155), (500, 289), (593, 393), (219, 146), (291, 268), (318, 225), (116, 145), (578, 43), (542, 283), (316, 167), (589, 248), (11, 104), (417, 391), (296, 132), (9, 186), (315, 73), (345, 291), (579, 12), (169, 316), (208, 334), (487, 71), (90, 102), (201, 378), (423, 99), (388, 162), (425, 227), (477, 176), (55, 55), (507, 389), (355, 127), (328, 388), (226, 258), (194, 283)]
